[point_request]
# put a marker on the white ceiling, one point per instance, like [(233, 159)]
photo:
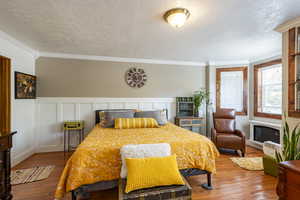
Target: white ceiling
[(218, 30)]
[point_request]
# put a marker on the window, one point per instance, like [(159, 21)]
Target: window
[(294, 73), (268, 89), (232, 89)]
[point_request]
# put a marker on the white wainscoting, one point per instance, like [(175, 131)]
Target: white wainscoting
[(51, 112)]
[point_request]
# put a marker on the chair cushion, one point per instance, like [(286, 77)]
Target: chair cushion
[(229, 140), (224, 125)]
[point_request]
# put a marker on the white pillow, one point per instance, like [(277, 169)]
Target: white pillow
[(142, 151)]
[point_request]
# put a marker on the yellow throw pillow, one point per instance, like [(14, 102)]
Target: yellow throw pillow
[(152, 172), (124, 123)]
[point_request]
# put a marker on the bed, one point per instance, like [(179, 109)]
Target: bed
[(96, 163)]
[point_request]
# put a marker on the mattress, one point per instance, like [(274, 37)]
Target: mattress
[(98, 158)]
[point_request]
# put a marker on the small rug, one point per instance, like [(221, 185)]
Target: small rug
[(250, 163), (30, 175)]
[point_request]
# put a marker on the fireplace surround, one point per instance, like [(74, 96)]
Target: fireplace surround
[(264, 131)]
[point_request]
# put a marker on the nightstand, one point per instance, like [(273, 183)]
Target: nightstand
[(71, 127), (191, 123)]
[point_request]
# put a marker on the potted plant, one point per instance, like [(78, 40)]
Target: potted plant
[(199, 97), (290, 149)]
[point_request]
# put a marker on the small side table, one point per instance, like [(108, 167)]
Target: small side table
[(72, 126)]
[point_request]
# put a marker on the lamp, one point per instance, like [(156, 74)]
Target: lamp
[(177, 16)]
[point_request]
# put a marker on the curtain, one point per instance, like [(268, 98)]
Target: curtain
[(5, 98)]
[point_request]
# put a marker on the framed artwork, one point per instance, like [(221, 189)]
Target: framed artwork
[(25, 86)]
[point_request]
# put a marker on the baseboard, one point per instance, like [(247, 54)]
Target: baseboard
[(16, 159), (50, 148)]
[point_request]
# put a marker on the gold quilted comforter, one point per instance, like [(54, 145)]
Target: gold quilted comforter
[(98, 158)]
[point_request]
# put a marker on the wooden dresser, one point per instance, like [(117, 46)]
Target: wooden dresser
[(5, 146), (288, 187)]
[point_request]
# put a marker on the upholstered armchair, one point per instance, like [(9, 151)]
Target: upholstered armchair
[(224, 134)]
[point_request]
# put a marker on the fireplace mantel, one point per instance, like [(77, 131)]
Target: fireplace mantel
[(268, 124)]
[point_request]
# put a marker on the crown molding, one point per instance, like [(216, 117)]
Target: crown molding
[(288, 25), (19, 44), (141, 60), (120, 59), (272, 56), (229, 63)]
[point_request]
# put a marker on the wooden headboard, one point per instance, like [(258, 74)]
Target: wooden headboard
[(97, 116)]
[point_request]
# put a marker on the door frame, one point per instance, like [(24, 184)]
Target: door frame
[(5, 94)]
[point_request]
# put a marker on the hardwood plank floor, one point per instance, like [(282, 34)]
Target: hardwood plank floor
[(230, 182)]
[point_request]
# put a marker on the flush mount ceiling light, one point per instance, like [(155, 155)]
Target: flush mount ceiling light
[(177, 16)]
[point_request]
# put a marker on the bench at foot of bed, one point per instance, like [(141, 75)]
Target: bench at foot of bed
[(83, 192)]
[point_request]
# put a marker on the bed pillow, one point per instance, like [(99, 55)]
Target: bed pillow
[(159, 115), (125, 123), (107, 118), (152, 172), (142, 151)]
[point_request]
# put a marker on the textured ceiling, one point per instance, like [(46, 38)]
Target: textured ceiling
[(218, 30)]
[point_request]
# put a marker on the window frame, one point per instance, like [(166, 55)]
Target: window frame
[(293, 52), (256, 90), (243, 69)]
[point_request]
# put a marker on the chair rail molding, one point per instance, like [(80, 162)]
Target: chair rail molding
[(52, 111)]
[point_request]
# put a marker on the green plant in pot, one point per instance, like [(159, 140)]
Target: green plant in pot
[(290, 149), (199, 97)]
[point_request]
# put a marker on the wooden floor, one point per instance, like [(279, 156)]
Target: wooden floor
[(230, 182)]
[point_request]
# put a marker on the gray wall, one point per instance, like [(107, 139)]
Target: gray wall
[(59, 77)]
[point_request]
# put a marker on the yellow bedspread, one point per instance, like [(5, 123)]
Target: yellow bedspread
[(98, 157)]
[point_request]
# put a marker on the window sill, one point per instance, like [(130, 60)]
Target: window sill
[(241, 113), (267, 115)]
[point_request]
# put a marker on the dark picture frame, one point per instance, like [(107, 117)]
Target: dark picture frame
[(25, 86)]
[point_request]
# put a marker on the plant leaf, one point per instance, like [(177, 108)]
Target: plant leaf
[(278, 156), (291, 139), (297, 157)]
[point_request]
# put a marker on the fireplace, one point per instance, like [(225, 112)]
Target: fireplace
[(261, 131), (264, 133)]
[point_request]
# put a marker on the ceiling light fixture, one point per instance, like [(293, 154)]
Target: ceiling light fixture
[(177, 16)]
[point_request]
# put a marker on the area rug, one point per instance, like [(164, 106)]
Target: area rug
[(250, 163), (30, 175)]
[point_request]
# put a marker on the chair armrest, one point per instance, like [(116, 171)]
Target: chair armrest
[(240, 133), (213, 134)]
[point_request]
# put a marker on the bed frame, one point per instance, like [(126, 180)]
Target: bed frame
[(83, 192)]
